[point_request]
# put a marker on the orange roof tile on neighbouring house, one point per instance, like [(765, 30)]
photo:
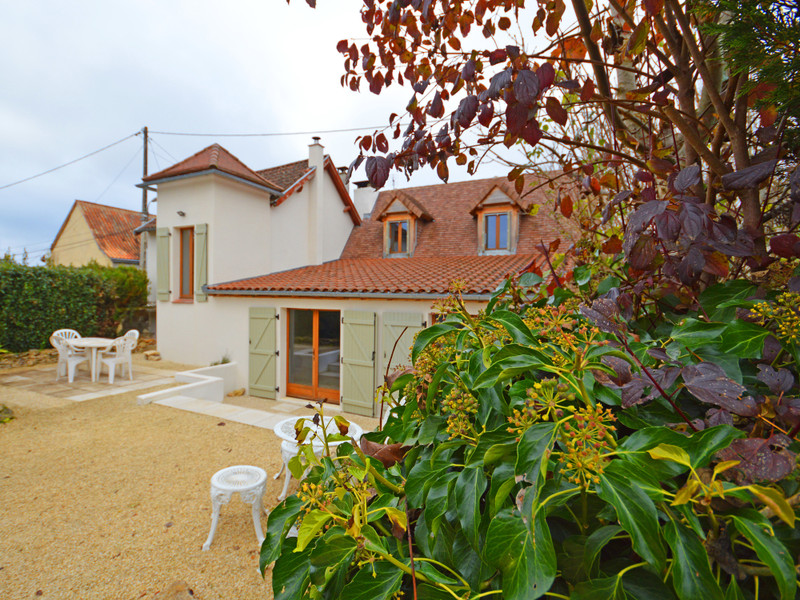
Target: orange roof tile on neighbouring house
[(213, 158), (429, 276), (112, 229)]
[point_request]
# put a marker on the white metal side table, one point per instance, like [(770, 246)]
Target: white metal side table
[(249, 482)]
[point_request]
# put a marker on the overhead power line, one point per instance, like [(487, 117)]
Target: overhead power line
[(274, 134), (72, 162)]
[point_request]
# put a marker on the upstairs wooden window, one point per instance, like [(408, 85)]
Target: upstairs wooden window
[(398, 237), (186, 284), (496, 231)]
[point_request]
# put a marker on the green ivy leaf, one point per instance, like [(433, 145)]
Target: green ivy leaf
[(290, 575), (670, 452), (280, 519), (312, 524), (595, 543), (332, 552), (376, 582), (515, 326), (533, 450), (469, 488), (743, 339), (426, 336), (691, 571), (770, 550), (637, 515), (606, 588), (526, 560), (693, 333)]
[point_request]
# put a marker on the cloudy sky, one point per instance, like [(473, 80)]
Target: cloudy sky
[(79, 76)]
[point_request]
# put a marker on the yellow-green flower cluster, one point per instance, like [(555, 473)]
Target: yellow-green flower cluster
[(460, 407), (544, 401), (586, 440), (782, 316)]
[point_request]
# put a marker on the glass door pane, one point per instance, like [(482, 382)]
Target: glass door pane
[(301, 347), (328, 348)]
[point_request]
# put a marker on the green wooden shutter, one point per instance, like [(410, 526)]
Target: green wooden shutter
[(162, 264), (358, 362), (200, 261), (399, 325), (263, 364)]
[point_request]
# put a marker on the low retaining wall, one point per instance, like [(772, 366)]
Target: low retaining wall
[(206, 383)]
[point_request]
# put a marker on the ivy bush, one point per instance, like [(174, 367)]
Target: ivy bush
[(35, 301), (551, 449)]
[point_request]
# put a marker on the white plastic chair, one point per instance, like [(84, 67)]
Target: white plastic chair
[(116, 353), (66, 334), (132, 333), (67, 356)]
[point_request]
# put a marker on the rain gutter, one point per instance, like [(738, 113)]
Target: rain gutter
[(212, 172), (322, 294)]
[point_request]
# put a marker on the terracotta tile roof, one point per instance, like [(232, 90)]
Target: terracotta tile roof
[(430, 275), (285, 175), (112, 229), (407, 200), (213, 157), (453, 230)]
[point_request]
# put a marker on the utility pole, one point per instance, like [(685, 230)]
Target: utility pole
[(143, 235)]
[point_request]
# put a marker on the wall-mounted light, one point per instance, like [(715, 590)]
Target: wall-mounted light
[(181, 213)]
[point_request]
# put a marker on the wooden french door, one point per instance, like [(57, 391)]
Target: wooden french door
[(313, 348)]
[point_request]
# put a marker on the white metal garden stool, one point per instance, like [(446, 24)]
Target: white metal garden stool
[(249, 482)]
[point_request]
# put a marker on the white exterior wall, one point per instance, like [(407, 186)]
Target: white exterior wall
[(238, 232), (202, 333), (336, 225), (289, 237), (151, 265)]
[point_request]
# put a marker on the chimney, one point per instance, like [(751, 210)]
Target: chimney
[(316, 218)]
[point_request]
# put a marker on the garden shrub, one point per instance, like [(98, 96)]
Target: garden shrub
[(550, 449), (35, 301)]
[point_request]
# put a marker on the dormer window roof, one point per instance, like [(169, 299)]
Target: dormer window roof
[(403, 203), (497, 216)]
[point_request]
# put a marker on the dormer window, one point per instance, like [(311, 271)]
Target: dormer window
[(398, 236), (496, 233), (497, 216)]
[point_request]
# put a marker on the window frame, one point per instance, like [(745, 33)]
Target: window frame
[(183, 264), (511, 229), (388, 237)]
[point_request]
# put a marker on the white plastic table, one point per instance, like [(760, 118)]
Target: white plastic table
[(93, 344), (285, 430), (249, 482)]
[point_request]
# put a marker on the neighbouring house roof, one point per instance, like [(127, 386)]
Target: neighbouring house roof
[(111, 227), (378, 276), (452, 230), (285, 175), (213, 158), (148, 226)]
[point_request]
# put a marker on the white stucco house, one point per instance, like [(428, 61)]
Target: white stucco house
[(279, 271)]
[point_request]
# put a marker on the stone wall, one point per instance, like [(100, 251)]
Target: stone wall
[(50, 355)]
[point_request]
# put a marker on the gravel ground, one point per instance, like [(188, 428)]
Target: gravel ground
[(107, 499)]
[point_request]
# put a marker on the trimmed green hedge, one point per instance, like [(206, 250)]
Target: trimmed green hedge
[(94, 300)]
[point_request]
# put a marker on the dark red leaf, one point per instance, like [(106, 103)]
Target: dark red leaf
[(366, 143), (587, 92), (342, 46), (486, 114), (516, 118), (442, 171), (566, 206), (643, 253), (468, 72), (691, 265), (709, 383), (556, 111), (526, 86), (653, 7), (388, 454), (608, 209), (602, 314), (382, 143), (760, 459), (547, 75), (376, 85), (512, 51), (467, 109), (504, 23), (778, 381), (687, 177), (531, 132), (377, 170), (497, 56), (612, 246), (785, 245), (436, 108), (749, 177)]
